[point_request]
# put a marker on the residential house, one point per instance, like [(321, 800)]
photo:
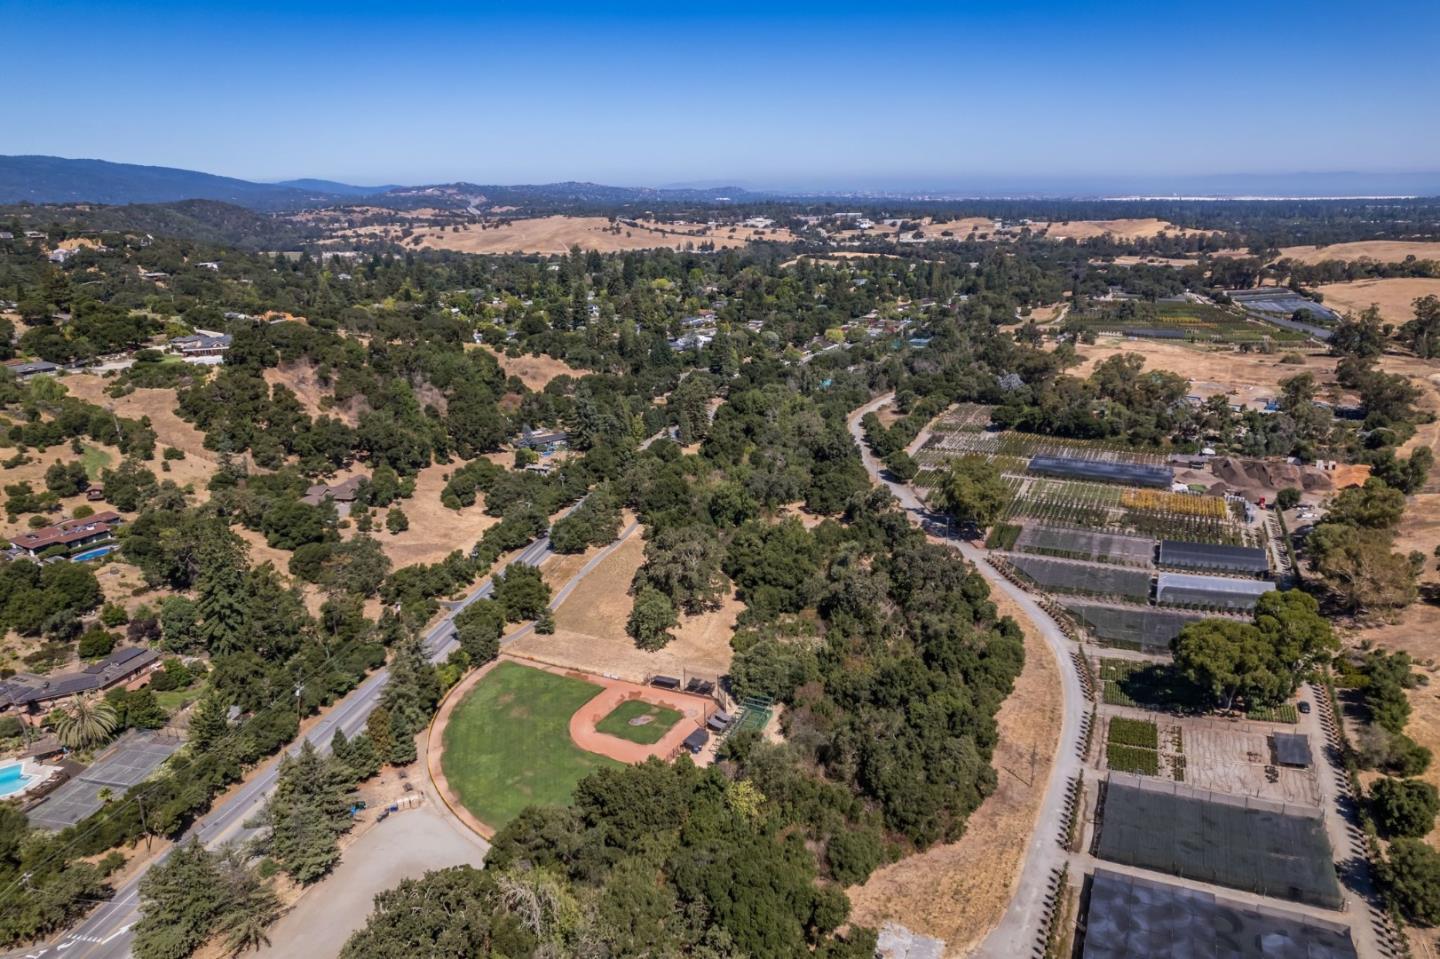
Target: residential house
[(60, 255), (342, 494), (72, 533), (25, 369), (26, 692), (543, 440), (202, 343)]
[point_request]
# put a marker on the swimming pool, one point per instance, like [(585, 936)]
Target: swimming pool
[(12, 778), (95, 553)]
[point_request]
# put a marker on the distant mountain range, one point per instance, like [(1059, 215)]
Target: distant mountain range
[(47, 179)]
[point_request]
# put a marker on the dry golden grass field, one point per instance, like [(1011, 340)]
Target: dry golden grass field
[(534, 371), (590, 624), (1130, 229), (1385, 251), (557, 234), (1211, 370), (1395, 297)]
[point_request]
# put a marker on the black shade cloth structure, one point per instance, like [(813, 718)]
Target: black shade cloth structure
[(1274, 849), (1292, 749), (1147, 627), (1086, 544), (1210, 592), (1130, 917), (1214, 556), (1073, 576), (1102, 471)]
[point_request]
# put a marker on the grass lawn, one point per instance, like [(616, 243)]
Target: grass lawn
[(618, 722), (508, 746), (94, 460), (172, 700)]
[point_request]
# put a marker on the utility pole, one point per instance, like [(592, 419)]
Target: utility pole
[(144, 827)]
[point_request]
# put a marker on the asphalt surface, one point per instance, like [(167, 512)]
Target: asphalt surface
[(1016, 933)]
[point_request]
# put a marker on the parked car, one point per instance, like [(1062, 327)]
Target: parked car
[(1304, 707)]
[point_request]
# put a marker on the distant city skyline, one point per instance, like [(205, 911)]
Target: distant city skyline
[(1124, 97)]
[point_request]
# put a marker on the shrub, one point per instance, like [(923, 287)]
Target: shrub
[(96, 642), (1404, 807), (1413, 875), (1134, 732)]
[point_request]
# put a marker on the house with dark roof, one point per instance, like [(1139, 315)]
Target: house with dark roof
[(544, 440), (25, 369), (28, 692), (201, 344)]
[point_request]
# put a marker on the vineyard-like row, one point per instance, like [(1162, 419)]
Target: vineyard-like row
[(1099, 506)]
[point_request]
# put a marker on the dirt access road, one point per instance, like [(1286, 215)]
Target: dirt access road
[(1018, 930)]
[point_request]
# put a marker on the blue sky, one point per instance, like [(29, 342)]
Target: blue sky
[(765, 94)]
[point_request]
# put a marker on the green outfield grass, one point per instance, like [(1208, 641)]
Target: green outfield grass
[(508, 746), (618, 722)]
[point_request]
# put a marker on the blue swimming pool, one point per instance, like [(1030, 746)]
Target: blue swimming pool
[(12, 779), (95, 553)]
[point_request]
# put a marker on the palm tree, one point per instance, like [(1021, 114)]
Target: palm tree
[(86, 722)]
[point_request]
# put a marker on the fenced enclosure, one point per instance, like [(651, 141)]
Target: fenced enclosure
[(1091, 579), (1264, 847), (1071, 543), (1129, 916), (1133, 627), (1190, 322)]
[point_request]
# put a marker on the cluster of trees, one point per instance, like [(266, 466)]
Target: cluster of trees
[(649, 860), (1261, 663), (46, 889), (51, 598), (1352, 550), (42, 414)]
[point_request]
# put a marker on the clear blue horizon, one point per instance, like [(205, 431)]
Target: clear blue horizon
[(801, 95)]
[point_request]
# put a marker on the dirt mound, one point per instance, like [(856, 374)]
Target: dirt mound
[(1255, 478)]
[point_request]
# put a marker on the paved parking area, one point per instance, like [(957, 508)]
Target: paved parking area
[(407, 844)]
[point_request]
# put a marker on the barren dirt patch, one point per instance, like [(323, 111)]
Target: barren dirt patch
[(435, 532), (1250, 375), (958, 892), (534, 371)]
